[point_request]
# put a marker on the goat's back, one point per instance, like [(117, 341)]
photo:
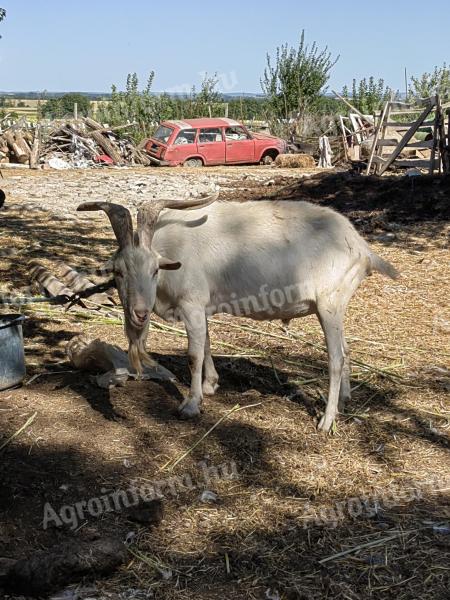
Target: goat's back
[(236, 248)]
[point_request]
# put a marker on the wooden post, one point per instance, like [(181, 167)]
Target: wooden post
[(444, 162), (384, 130), (435, 138), (34, 156), (75, 111)]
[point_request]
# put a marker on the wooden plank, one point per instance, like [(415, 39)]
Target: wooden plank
[(419, 144), (420, 163), (351, 106), (419, 104), (375, 138), (396, 125), (407, 137)]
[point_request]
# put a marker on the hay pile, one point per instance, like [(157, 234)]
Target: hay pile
[(295, 161)]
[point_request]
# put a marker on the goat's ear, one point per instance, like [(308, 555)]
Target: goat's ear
[(168, 265)]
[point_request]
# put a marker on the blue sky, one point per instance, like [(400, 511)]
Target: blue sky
[(87, 45)]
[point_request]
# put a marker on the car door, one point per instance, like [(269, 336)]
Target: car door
[(239, 145), (211, 145), (184, 145)]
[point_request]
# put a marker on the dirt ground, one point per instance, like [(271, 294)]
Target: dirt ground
[(289, 513)]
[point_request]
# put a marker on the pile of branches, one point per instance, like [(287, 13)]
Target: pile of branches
[(69, 143)]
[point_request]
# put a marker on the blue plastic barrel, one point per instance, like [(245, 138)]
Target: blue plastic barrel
[(12, 356)]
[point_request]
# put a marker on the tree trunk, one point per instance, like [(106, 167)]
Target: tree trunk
[(20, 153)]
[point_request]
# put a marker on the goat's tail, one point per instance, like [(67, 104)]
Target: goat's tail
[(383, 266)]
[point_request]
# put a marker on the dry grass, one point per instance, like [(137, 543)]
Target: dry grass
[(261, 533)]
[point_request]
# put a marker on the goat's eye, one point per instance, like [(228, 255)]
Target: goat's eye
[(155, 272)]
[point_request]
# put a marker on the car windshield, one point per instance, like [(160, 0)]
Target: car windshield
[(162, 134)]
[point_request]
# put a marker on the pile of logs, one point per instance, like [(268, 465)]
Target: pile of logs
[(76, 143)]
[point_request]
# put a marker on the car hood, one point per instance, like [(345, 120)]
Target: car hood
[(259, 135)]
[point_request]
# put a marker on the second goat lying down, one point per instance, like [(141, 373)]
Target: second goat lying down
[(263, 260)]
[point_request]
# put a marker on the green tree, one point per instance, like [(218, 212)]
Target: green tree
[(428, 84), (368, 95), (56, 108), (295, 80)]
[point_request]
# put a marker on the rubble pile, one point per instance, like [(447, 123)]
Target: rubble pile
[(74, 143)]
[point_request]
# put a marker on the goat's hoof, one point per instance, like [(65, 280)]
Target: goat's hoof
[(325, 424), (209, 389), (189, 409)]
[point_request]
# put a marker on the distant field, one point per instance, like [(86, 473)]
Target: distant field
[(29, 107)]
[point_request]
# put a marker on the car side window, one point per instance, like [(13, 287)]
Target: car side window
[(210, 134), (186, 136), (236, 133)]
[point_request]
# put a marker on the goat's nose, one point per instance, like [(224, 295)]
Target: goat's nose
[(141, 314)]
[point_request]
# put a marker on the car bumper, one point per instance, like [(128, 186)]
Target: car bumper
[(158, 161)]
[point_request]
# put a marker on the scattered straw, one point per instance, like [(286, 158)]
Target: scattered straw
[(18, 432)]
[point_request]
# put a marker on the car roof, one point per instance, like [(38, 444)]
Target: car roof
[(205, 122)]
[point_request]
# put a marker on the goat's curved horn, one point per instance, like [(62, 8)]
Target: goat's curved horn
[(120, 218), (149, 212)]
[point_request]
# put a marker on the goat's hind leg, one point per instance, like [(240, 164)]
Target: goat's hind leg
[(345, 390), (331, 321)]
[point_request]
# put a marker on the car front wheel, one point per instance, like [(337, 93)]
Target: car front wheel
[(268, 159), (193, 162)]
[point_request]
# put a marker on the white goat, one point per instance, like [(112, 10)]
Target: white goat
[(263, 260)]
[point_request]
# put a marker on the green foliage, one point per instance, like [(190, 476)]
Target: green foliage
[(56, 108), (293, 85), (2, 15), (428, 84), (369, 95), (147, 109), (133, 105), (248, 109)]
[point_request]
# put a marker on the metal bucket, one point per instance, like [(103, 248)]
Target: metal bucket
[(12, 356)]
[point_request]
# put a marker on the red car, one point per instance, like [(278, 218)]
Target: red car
[(198, 142)]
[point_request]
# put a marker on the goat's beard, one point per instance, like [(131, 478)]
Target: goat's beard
[(137, 354)]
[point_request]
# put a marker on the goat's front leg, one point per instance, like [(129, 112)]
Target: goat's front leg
[(210, 376), (195, 322)]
